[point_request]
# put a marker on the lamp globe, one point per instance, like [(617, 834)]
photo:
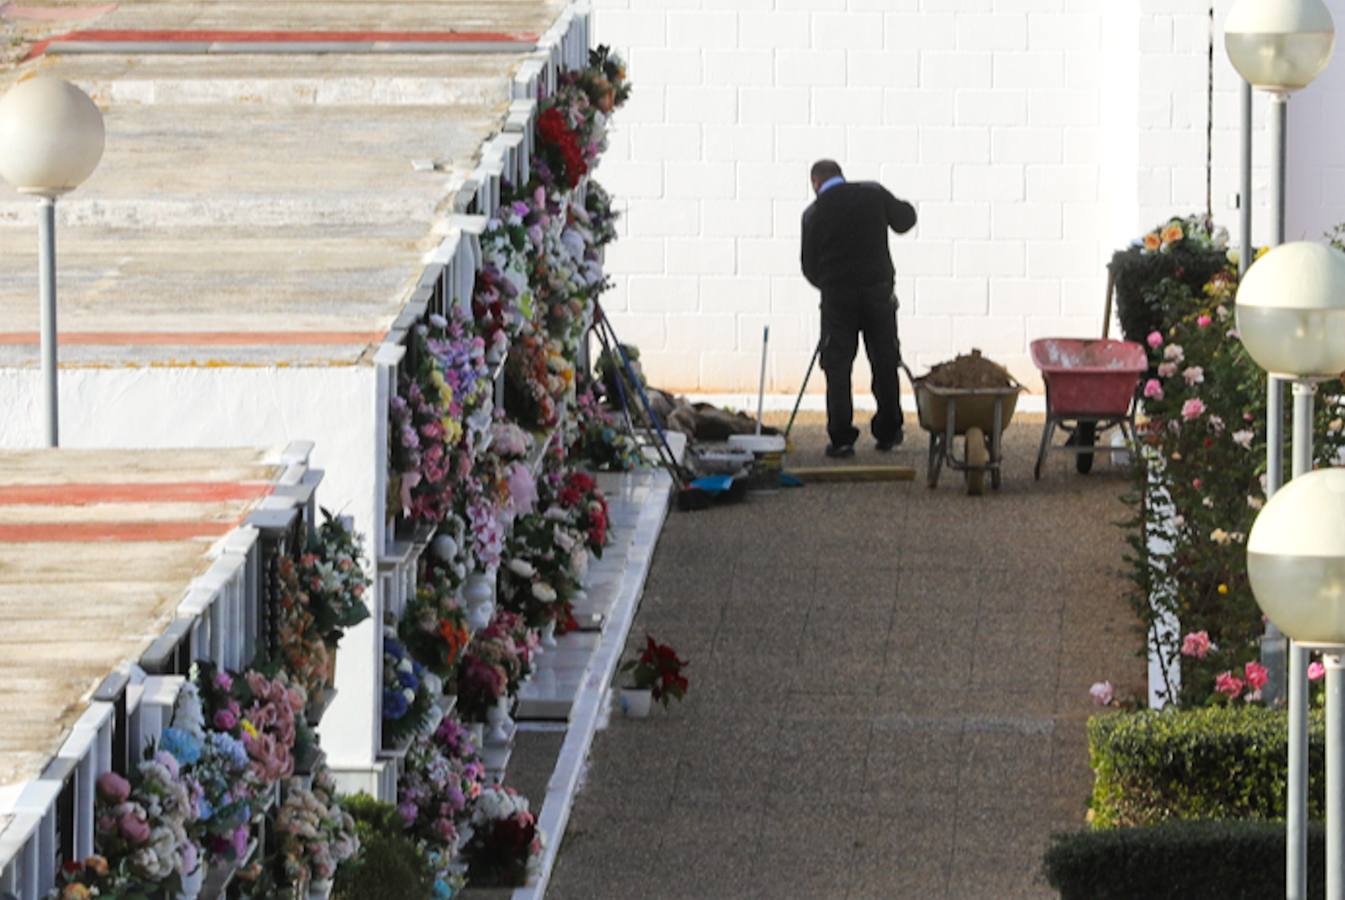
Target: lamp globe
[(51, 136), (1291, 310)]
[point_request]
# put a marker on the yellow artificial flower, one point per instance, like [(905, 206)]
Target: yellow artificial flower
[(1223, 589), (249, 728), (1260, 252)]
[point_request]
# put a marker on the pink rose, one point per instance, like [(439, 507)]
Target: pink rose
[(1153, 389), (134, 828), (1155, 340), (1193, 409), (1103, 693), (1196, 644), (113, 788), (1196, 483), (1257, 676), (1316, 671), (224, 681), (224, 720), (1228, 684), (1203, 321), (1167, 370)]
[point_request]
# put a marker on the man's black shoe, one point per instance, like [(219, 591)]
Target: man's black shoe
[(844, 451), (890, 445)]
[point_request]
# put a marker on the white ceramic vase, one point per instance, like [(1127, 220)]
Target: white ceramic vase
[(636, 702), (497, 717), (549, 634), (445, 548), (192, 884)]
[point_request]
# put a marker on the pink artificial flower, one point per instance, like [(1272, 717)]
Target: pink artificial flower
[(1102, 693), (1155, 340), (113, 787), (1203, 321), (224, 720), (1257, 676), (1196, 644), (1228, 684), (224, 681), (1194, 375), (1316, 671), (1196, 483), (134, 828), (1167, 370), (1153, 389), (1193, 409)]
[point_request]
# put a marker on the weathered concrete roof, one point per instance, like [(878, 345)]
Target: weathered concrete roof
[(257, 209), (96, 550)]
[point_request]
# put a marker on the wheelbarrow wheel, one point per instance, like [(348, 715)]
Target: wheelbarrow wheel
[(977, 457), (1085, 435)]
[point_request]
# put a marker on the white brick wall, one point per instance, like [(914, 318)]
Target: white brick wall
[(1035, 137)]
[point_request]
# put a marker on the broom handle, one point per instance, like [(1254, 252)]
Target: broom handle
[(761, 383)]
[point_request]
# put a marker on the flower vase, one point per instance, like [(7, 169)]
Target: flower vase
[(498, 719), (477, 732), (549, 635), (479, 595), (478, 617), (192, 884), (320, 889), (636, 702)]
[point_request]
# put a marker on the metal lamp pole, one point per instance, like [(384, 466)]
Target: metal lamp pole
[(51, 139), (1280, 46)]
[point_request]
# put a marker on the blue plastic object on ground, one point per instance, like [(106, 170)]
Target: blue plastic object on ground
[(714, 484), (787, 480)]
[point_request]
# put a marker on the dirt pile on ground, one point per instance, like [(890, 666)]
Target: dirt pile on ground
[(969, 371)]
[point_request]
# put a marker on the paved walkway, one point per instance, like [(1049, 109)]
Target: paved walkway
[(889, 690)]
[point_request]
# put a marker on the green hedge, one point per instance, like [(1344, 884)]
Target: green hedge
[(1210, 763), (1186, 860)]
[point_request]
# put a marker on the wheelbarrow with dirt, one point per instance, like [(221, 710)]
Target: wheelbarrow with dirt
[(978, 415)]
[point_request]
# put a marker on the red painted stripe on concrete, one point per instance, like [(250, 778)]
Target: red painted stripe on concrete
[(76, 532), (82, 494), (197, 338), (277, 37)]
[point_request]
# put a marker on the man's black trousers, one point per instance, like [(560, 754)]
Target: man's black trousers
[(846, 314)]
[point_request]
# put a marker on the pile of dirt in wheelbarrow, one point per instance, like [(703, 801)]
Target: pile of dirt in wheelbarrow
[(969, 371)]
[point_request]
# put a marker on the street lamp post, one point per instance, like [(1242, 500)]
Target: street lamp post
[(1280, 46), (51, 139), (1291, 316), (1296, 562)]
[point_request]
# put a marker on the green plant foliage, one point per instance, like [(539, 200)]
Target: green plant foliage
[(1191, 254), (1209, 763), (391, 866), (1203, 444), (1180, 861)]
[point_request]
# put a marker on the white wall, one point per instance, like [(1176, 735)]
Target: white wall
[(1035, 136)]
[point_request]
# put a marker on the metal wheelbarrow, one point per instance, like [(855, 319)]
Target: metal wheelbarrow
[(1091, 385), (977, 415)]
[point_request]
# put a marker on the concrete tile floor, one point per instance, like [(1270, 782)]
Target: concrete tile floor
[(889, 690)]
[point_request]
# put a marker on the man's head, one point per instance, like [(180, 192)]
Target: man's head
[(823, 171)]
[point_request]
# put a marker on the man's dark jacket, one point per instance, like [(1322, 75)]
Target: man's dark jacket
[(845, 235)]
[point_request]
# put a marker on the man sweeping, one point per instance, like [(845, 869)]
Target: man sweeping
[(845, 256)]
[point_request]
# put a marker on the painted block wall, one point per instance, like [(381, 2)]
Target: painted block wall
[(1034, 136)]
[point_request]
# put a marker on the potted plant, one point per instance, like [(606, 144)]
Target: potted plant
[(656, 674)]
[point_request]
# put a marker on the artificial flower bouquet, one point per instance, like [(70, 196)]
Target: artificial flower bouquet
[(315, 833), (142, 822), (333, 574), (506, 845), (434, 623), (264, 712), (441, 778), (659, 670), (300, 644), (596, 436), (408, 691)]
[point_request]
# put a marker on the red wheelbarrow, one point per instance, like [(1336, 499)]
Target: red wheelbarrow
[(1091, 385)]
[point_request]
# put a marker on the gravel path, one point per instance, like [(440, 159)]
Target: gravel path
[(889, 690)]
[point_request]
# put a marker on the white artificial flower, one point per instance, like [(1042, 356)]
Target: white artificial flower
[(544, 592), (522, 568)]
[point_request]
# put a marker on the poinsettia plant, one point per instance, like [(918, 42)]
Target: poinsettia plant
[(659, 670)]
